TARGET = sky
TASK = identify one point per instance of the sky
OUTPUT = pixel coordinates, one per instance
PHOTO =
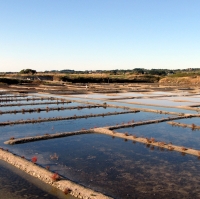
(99, 34)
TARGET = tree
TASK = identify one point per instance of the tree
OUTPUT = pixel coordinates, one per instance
(28, 71)
(158, 72)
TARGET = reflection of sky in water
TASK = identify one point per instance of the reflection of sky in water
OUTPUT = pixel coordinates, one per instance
(167, 133)
(14, 184)
(118, 168)
(128, 94)
(112, 166)
(28, 102)
(72, 125)
(10, 108)
(193, 120)
(17, 98)
(164, 93)
(123, 103)
(60, 113)
(193, 99)
(111, 95)
(179, 110)
(158, 101)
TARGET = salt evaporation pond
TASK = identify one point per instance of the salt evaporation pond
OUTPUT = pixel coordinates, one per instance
(106, 96)
(60, 113)
(159, 108)
(146, 106)
(36, 106)
(14, 98)
(118, 168)
(113, 166)
(20, 103)
(193, 99)
(161, 102)
(15, 184)
(23, 130)
(167, 133)
(193, 120)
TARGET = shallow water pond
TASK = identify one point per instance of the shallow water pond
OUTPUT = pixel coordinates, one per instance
(123, 103)
(14, 184)
(167, 133)
(12, 108)
(32, 102)
(13, 98)
(178, 110)
(160, 101)
(193, 120)
(60, 113)
(194, 99)
(118, 168)
(23, 130)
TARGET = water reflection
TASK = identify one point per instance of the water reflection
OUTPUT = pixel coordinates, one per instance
(120, 169)
(14, 184)
(170, 134)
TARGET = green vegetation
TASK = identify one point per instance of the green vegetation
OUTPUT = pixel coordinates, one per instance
(185, 74)
(136, 75)
(82, 78)
(28, 71)
(13, 81)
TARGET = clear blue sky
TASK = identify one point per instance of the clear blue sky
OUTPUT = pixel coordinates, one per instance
(99, 34)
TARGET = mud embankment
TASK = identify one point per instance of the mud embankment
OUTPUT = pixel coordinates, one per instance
(68, 187)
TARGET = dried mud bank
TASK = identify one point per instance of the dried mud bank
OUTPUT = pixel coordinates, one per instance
(46, 137)
(150, 121)
(195, 105)
(192, 126)
(64, 118)
(161, 111)
(149, 141)
(190, 108)
(46, 176)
